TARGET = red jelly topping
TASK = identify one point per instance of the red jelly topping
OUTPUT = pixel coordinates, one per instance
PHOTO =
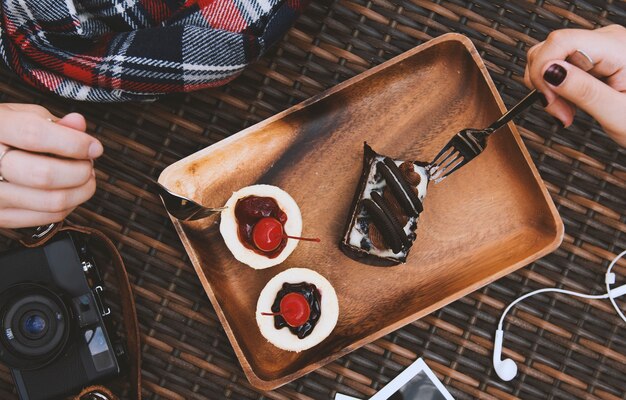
(251, 210)
(294, 308)
(267, 234)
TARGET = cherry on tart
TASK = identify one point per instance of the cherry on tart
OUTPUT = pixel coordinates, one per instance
(268, 234)
(248, 206)
(294, 308)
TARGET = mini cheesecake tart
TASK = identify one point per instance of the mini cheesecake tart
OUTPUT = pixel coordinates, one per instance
(249, 206)
(308, 308)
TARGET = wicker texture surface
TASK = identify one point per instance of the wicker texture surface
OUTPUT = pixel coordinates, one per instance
(565, 348)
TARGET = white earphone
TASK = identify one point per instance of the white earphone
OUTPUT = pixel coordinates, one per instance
(507, 369)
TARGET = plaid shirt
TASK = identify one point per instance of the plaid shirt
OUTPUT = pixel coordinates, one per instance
(117, 50)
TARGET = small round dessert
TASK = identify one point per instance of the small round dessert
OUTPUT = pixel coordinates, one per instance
(292, 283)
(249, 245)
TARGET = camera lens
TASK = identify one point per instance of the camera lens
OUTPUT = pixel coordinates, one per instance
(34, 326)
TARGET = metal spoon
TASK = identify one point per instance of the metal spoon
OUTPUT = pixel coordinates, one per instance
(183, 208)
(180, 207)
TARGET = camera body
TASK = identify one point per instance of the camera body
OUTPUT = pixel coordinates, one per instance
(56, 332)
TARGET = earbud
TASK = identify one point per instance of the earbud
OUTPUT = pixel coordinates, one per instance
(506, 369)
(609, 278)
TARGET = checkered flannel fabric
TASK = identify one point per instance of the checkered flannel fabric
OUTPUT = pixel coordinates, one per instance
(118, 50)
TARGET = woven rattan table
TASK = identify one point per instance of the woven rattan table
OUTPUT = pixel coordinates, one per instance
(566, 348)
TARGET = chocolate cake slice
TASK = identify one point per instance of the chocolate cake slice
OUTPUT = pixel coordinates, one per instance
(385, 210)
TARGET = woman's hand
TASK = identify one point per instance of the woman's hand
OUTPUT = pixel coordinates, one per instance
(601, 91)
(48, 169)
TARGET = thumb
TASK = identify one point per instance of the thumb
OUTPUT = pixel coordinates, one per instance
(74, 121)
(602, 102)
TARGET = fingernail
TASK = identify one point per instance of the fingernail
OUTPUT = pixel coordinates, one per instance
(93, 173)
(559, 122)
(95, 150)
(543, 100)
(555, 74)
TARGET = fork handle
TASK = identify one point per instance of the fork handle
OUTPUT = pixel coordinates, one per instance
(513, 112)
(579, 58)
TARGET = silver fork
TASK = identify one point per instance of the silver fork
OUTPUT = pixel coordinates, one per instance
(469, 143)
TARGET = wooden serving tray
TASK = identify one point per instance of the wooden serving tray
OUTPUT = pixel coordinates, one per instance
(483, 222)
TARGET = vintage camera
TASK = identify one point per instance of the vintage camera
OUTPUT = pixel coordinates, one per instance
(56, 331)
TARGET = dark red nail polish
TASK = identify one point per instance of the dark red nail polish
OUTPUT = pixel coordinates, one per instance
(555, 74)
(543, 100)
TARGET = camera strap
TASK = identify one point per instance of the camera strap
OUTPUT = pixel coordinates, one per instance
(128, 305)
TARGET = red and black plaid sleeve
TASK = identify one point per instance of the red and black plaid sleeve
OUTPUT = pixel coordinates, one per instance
(117, 50)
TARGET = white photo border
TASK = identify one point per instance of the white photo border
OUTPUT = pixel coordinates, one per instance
(415, 368)
(340, 396)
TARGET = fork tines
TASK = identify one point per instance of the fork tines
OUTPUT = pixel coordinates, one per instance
(460, 150)
(447, 161)
(447, 158)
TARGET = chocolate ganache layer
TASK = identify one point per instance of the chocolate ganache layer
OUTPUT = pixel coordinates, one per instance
(313, 298)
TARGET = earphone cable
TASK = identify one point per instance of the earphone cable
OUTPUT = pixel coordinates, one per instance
(608, 284)
(586, 296)
(606, 295)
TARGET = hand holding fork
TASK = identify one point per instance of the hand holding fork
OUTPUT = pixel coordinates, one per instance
(469, 143)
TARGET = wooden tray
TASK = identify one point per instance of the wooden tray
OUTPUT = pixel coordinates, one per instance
(485, 221)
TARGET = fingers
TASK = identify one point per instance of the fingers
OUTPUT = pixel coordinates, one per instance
(32, 132)
(617, 81)
(71, 120)
(562, 110)
(49, 171)
(604, 46)
(18, 218)
(529, 56)
(44, 172)
(46, 201)
(602, 102)
(31, 108)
